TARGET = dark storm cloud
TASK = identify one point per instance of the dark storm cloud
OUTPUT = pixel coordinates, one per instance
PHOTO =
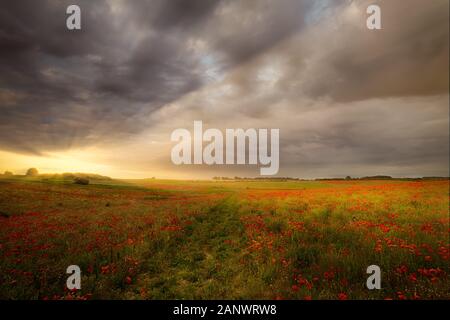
(243, 29)
(68, 82)
(166, 15)
(130, 58)
(396, 133)
(409, 56)
(311, 68)
(46, 68)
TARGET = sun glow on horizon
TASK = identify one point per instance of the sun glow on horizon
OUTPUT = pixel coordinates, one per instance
(51, 162)
(86, 160)
(81, 160)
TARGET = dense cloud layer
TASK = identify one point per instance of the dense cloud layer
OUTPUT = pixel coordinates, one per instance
(345, 98)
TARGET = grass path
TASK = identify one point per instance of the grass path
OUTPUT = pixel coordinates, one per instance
(204, 262)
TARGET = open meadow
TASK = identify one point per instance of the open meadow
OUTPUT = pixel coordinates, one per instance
(163, 239)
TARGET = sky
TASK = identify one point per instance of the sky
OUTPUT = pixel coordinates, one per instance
(105, 99)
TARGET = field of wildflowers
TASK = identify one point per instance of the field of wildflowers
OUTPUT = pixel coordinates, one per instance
(157, 239)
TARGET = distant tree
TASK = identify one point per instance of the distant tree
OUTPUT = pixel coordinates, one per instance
(8, 173)
(348, 178)
(32, 172)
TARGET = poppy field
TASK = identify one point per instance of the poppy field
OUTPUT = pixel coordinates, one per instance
(167, 239)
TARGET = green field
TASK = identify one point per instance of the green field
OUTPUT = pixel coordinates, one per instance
(167, 239)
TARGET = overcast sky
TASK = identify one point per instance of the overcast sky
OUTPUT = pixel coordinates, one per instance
(347, 100)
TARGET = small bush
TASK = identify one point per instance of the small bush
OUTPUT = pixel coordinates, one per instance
(82, 181)
(32, 172)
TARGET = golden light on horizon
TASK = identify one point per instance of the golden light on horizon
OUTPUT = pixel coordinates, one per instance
(53, 162)
(88, 160)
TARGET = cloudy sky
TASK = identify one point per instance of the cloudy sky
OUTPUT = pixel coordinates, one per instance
(105, 99)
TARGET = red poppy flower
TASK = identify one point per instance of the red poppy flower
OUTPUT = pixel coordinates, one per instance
(342, 296)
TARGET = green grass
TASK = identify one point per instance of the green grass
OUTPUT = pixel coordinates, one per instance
(167, 239)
